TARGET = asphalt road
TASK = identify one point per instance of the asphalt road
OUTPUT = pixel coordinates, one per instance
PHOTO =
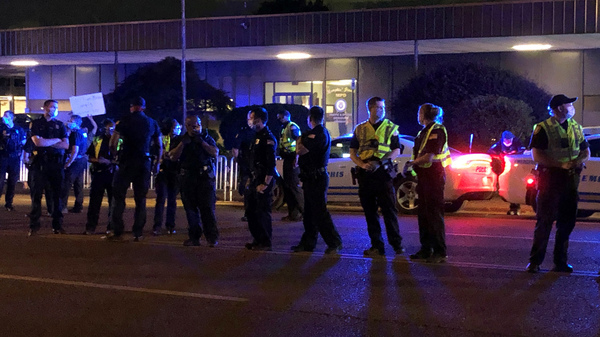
(75, 285)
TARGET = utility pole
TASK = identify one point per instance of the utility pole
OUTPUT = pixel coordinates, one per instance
(183, 71)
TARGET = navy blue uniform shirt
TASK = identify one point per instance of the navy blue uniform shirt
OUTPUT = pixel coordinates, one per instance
(136, 130)
(263, 155)
(48, 130)
(194, 157)
(318, 143)
(11, 140)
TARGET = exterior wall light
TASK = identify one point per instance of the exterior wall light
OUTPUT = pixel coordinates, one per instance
(293, 56)
(25, 63)
(531, 47)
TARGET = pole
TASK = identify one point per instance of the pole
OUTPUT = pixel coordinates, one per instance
(416, 55)
(183, 70)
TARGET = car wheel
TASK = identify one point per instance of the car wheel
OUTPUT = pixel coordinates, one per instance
(277, 195)
(453, 206)
(407, 199)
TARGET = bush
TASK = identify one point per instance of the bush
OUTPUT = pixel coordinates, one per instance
(486, 117)
(455, 87)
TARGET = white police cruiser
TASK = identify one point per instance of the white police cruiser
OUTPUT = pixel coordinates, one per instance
(518, 183)
(468, 178)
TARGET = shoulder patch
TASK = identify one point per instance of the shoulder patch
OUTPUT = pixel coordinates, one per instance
(257, 141)
(312, 136)
(271, 142)
(395, 133)
(432, 136)
(537, 129)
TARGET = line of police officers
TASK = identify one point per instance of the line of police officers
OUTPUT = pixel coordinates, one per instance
(558, 146)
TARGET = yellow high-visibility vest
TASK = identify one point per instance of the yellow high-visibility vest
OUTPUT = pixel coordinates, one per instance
(443, 157)
(557, 136)
(375, 143)
(286, 142)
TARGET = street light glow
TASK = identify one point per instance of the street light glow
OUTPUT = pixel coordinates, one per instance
(531, 47)
(293, 56)
(25, 63)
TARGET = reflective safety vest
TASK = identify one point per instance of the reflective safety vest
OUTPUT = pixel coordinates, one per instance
(557, 136)
(167, 143)
(375, 143)
(286, 142)
(97, 142)
(443, 157)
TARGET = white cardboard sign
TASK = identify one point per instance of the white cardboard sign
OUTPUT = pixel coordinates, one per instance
(85, 105)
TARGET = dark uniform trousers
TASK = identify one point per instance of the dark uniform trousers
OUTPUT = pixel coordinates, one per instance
(166, 186)
(292, 193)
(101, 182)
(136, 173)
(48, 171)
(317, 218)
(10, 165)
(375, 190)
(198, 195)
(556, 201)
(258, 212)
(74, 177)
(432, 232)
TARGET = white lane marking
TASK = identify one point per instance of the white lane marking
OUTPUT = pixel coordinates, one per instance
(123, 288)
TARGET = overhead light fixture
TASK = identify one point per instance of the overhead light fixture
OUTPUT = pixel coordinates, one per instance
(293, 56)
(25, 63)
(531, 47)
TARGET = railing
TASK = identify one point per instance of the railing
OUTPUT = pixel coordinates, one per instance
(226, 177)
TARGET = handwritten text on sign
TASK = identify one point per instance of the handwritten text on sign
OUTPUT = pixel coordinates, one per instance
(84, 105)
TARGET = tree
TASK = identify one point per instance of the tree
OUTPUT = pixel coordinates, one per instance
(160, 84)
(486, 117)
(291, 6)
(453, 86)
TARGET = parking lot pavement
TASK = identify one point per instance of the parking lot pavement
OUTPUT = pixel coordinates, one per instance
(67, 285)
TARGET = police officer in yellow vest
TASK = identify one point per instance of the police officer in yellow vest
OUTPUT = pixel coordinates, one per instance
(373, 146)
(292, 192)
(430, 157)
(102, 170)
(559, 148)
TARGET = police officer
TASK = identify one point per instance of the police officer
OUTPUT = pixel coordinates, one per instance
(559, 148)
(75, 164)
(373, 146)
(508, 144)
(241, 151)
(137, 132)
(49, 138)
(102, 170)
(430, 156)
(166, 184)
(198, 153)
(313, 150)
(12, 139)
(260, 187)
(292, 193)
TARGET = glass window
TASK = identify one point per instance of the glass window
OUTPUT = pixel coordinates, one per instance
(340, 98)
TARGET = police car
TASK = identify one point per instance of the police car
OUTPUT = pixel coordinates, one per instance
(468, 178)
(518, 183)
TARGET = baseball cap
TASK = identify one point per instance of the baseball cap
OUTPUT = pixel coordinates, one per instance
(507, 135)
(138, 101)
(559, 100)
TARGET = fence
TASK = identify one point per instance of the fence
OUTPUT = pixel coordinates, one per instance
(226, 177)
